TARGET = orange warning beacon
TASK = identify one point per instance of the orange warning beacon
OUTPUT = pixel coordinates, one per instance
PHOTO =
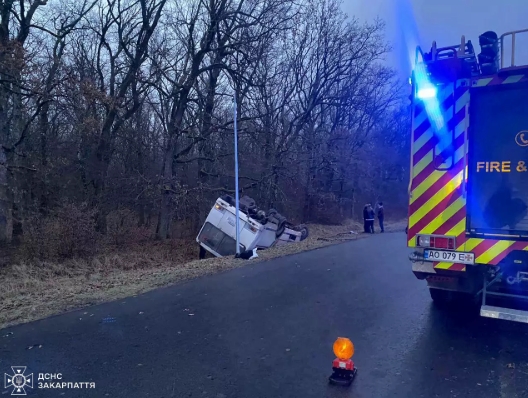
(343, 366)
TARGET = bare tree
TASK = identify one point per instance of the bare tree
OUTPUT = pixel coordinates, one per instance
(214, 30)
(123, 110)
(23, 99)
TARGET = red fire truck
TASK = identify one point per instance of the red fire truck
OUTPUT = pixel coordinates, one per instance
(468, 192)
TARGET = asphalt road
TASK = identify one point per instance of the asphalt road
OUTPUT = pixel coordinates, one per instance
(266, 330)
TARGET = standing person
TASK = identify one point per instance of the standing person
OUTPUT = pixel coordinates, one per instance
(370, 219)
(366, 226)
(381, 216)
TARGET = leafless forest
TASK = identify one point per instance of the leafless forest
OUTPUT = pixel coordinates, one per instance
(117, 117)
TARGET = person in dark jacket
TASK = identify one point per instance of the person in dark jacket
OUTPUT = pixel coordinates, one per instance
(366, 226)
(381, 216)
(370, 219)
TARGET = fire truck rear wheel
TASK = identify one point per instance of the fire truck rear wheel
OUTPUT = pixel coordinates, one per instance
(443, 298)
(440, 296)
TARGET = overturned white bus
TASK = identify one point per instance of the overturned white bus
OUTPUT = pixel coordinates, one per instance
(258, 229)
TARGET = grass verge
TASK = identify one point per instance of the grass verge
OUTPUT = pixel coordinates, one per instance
(36, 290)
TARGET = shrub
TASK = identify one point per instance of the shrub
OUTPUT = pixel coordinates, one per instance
(69, 232)
(121, 228)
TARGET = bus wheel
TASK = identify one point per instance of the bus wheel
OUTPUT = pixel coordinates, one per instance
(304, 232)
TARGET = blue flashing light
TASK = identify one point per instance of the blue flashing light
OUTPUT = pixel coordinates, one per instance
(427, 93)
(430, 94)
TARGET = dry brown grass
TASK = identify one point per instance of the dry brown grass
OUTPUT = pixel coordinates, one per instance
(35, 290)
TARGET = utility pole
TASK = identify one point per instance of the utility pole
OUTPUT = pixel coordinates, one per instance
(236, 177)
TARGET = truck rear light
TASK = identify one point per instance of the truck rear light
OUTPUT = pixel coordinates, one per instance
(436, 242)
(440, 243)
(219, 207)
(423, 241)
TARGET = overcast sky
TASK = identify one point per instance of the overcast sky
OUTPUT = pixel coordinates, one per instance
(422, 21)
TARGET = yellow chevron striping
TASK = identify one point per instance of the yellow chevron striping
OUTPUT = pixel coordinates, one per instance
(494, 251)
(459, 228)
(512, 79)
(426, 184)
(433, 177)
(435, 199)
(446, 266)
(439, 220)
(455, 231)
(482, 82)
(423, 163)
(472, 243)
(429, 133)
(422, 140)
(425, 137)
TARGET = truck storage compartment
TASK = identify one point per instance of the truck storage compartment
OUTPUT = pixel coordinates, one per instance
(498, 161)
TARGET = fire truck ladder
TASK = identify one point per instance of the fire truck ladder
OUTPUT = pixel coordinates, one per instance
(503, 62)
(463, 51)
(460, 57)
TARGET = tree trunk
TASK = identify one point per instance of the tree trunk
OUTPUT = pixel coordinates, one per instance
(167, 189)
(310, 174)
(6, 199)
(164, 217)
(102, 158)
(43, 124)
(6, 205)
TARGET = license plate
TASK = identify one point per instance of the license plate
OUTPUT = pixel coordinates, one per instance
(449, 257)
